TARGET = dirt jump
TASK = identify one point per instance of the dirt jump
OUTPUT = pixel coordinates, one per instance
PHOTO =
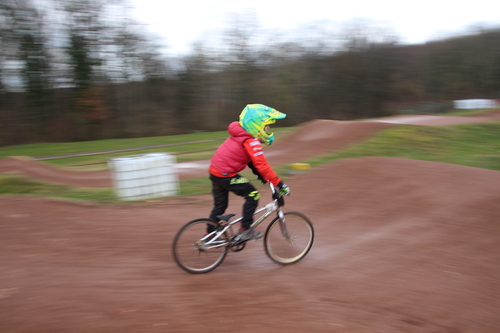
(401, 246)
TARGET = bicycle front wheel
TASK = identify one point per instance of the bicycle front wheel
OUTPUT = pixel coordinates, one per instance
(195, 254)
(288, 241)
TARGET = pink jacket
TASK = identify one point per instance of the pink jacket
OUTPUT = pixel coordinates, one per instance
(237, 152)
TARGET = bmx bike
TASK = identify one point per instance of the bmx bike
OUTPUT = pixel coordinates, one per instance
(287, 239)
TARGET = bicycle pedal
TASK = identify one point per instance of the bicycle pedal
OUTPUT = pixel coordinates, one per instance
(237, 241)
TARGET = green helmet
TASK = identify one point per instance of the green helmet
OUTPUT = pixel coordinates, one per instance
(254, 119)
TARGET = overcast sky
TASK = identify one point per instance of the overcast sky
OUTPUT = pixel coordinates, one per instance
(181, 22)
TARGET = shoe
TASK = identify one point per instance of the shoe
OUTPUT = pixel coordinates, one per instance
(249, 234)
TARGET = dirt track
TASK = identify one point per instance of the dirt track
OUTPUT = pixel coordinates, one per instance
(402, 246)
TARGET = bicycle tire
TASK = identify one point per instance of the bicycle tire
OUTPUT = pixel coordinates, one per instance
(288, 249)
(189, 252)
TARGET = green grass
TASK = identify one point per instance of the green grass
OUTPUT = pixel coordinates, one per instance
(467, 112)
(46, 149)
(183, 152)
(15, 185)
(43, 149)
(476, 145)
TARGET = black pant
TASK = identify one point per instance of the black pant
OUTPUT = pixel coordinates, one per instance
(221, 186)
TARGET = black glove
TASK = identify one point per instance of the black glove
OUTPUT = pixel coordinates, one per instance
(283, 189)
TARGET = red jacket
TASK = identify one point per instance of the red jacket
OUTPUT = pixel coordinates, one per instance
(238, 151)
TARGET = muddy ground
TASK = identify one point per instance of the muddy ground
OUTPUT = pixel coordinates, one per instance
(401, 246)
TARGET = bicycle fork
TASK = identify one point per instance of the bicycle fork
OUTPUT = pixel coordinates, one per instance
(282, 223)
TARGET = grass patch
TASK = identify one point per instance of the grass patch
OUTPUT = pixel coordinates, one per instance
(183, 152)
(47, 149)
(468, 112)
(476, 145)
(16, 185)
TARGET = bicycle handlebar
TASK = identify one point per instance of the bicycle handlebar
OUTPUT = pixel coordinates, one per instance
(277, 196)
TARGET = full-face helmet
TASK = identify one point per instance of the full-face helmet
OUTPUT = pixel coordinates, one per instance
(256, 118)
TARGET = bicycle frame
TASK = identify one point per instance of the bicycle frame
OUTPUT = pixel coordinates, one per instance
(270, 208)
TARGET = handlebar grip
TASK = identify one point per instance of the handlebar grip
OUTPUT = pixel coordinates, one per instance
(280, 198)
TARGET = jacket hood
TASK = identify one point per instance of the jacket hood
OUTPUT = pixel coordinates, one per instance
(235, 130)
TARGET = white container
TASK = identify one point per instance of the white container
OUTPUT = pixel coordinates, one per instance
(476, 104)
(145, 176)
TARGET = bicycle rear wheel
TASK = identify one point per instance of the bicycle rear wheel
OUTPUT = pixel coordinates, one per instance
(191, 251)
(289, 242)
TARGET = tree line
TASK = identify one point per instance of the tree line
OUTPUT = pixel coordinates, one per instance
(83, 70)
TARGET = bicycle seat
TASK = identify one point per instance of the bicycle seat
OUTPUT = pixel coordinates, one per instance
(225, 217)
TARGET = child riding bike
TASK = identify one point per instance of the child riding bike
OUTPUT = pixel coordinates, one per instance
(243, 148)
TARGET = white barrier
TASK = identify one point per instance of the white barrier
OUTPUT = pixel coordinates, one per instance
(475, 104)
(145, 176)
